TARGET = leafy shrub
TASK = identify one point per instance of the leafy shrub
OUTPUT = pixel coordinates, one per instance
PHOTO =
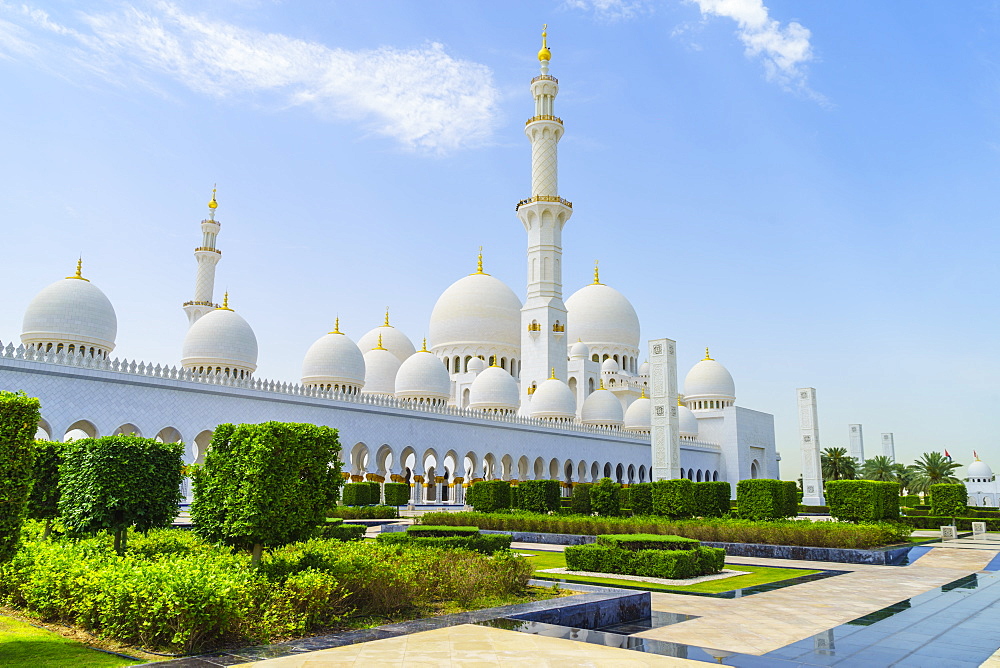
(427, 530)
(647, 541)
(605, 498)
(792, 498)
(711, 499)
(948, 499)
(159, 542)
(357, 494)
(343, 531)
(117, 482)
(672, 564)
(641, 498)
(43, 503)
(18, 422)
(364, 512)
(764, 499)
(396, 493)
(863, 500)
(580, 502)
(266, 484)
(538, 496)
(673, 498)
(625, 497)
(909, 500)
(482, 543)
(488, 496)
(374, 492)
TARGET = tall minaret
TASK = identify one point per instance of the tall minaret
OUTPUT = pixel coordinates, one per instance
(543, 317)
(207, 256)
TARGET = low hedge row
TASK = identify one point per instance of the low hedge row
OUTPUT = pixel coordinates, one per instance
(429, 531)
(936, 522)
(365, 512)
(647, 541)
(340, 531)
(483, 543)
(670, 564)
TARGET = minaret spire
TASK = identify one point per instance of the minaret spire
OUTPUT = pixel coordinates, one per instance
(543, 214)
(207, 256)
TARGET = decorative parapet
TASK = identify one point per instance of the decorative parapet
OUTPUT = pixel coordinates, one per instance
(544, 117)
(544, 198)
(206, 248)
(135, 368)
(545, 77)
(201, 304)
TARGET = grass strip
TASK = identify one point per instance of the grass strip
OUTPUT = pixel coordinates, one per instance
(24, 645)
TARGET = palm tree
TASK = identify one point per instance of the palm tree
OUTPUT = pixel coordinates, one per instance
(837, 465)
(880, 468)
(932, 468)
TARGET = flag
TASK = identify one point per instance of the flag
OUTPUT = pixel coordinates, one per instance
(947, 455)
(975, 456)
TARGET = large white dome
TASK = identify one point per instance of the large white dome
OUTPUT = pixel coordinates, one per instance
(553, 400)
(708, 378)
(334, 360)
(393, 340)
(602, 408)
(381, 367)
(71, 311)
(688, 422)
(477, 311)
(220, 339)
(638, 417)
(979, 470)
(600, 315)
(494, 389)
(423, 376)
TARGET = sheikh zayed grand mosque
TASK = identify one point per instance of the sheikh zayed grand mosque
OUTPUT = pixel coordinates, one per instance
(502, 388)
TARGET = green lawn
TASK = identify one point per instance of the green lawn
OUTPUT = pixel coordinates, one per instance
(755, 575)
(23, 645)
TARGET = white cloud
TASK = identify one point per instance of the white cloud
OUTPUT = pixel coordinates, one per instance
(611, 10)
(421, 97)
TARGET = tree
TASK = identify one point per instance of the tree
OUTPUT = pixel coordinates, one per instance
(837, 465)
(19, 415)
(43, 504)
(880, 468)
(115, 483)
(932, 468)
(266, 484)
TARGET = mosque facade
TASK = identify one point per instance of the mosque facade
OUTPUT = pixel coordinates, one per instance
(544, 388)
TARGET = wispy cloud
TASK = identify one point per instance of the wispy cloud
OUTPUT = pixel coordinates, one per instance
(421, 97)
(611, 10)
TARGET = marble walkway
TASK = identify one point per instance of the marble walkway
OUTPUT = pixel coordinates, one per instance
(751, 625)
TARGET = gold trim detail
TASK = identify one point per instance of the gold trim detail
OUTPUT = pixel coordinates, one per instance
(544, 198)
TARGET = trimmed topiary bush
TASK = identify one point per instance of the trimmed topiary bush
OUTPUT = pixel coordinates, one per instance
(19, 415)
(792, 498)
(673, 498)
(711, 499)
(433, 531)
(580, 502)
(117, 482)
(641, 498)
(43, 503)
(647, 541)
(863, 500)
(949, 499)
(605, 498)
(489, 496)
(396, 493)
(764, 499)
(364, 512)
(538, 496)
(645, 555)
(625, 497)
(909, 501)
(357, 494)
(452, 537)
(266, 484)
(341, 531)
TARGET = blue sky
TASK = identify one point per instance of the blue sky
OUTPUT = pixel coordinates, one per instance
(809, 188)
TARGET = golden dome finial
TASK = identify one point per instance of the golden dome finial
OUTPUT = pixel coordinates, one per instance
(707, 356)
(386, 323)
(336, 326)
(597, 272)
(679, 402)
(479, 264)
(553, 376)
(213, 204)
(225, 302)
(424, 348)
(601, 386)
(544, 53)
(79, 270)
(379, 346)
(642, 395)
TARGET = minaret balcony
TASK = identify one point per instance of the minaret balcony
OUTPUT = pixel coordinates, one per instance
(193, 303)
(545, 77)
(544, 198)
(544, 117)
(206, 248)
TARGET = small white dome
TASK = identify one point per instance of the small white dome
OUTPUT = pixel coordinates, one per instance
(978, 469)
(494, 389)
(603, 408)
(553, 400)
(335, 360)
(380, 372)
(220, 339)
(639, 417)
(644, 369)
(393, 340)
(477, 310)
(688, 422)
(579, 350)
(610, 366)
(71, 311)
(599, 314)
(708, 378)
(476, 365)
(423, 376)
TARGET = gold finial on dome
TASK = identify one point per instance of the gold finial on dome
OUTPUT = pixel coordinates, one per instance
(642, 395)
(336, 326)
(553, 376)
(597, 273)
(213, 204)
(544, 53)
(707, 356)
(225, 302)
(424, 348)
(79, 270)
(386, 323)
(479, 263)
(679, 402)
(601, 387)
(379, 346)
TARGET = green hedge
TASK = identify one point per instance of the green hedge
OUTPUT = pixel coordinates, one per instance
(671, 564)
(538, 496)
(909, 500)
(605, 498)
(673, 498)
(489, 496)
(580, 502)
(365, 512)
(357, 494)
(766, 499)
(396, 493)
(19, 416)
(647, 541)
(43, 504)
(936, 522)
(948, 499)
(863, 500)
(343, 531)
(624, 498)
(482, 543)
(426, 531)
(641, 498)
(711, 499)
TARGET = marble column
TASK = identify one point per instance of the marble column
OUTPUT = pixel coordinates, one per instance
(812, 472)
(665, 437)
(857, 442)
(889, 447)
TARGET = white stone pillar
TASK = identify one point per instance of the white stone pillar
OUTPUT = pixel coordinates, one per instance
(857, 441)
(889, 447)
(665, 437)
(812, 472)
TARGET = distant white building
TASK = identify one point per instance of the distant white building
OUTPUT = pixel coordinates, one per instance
(981, 484)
